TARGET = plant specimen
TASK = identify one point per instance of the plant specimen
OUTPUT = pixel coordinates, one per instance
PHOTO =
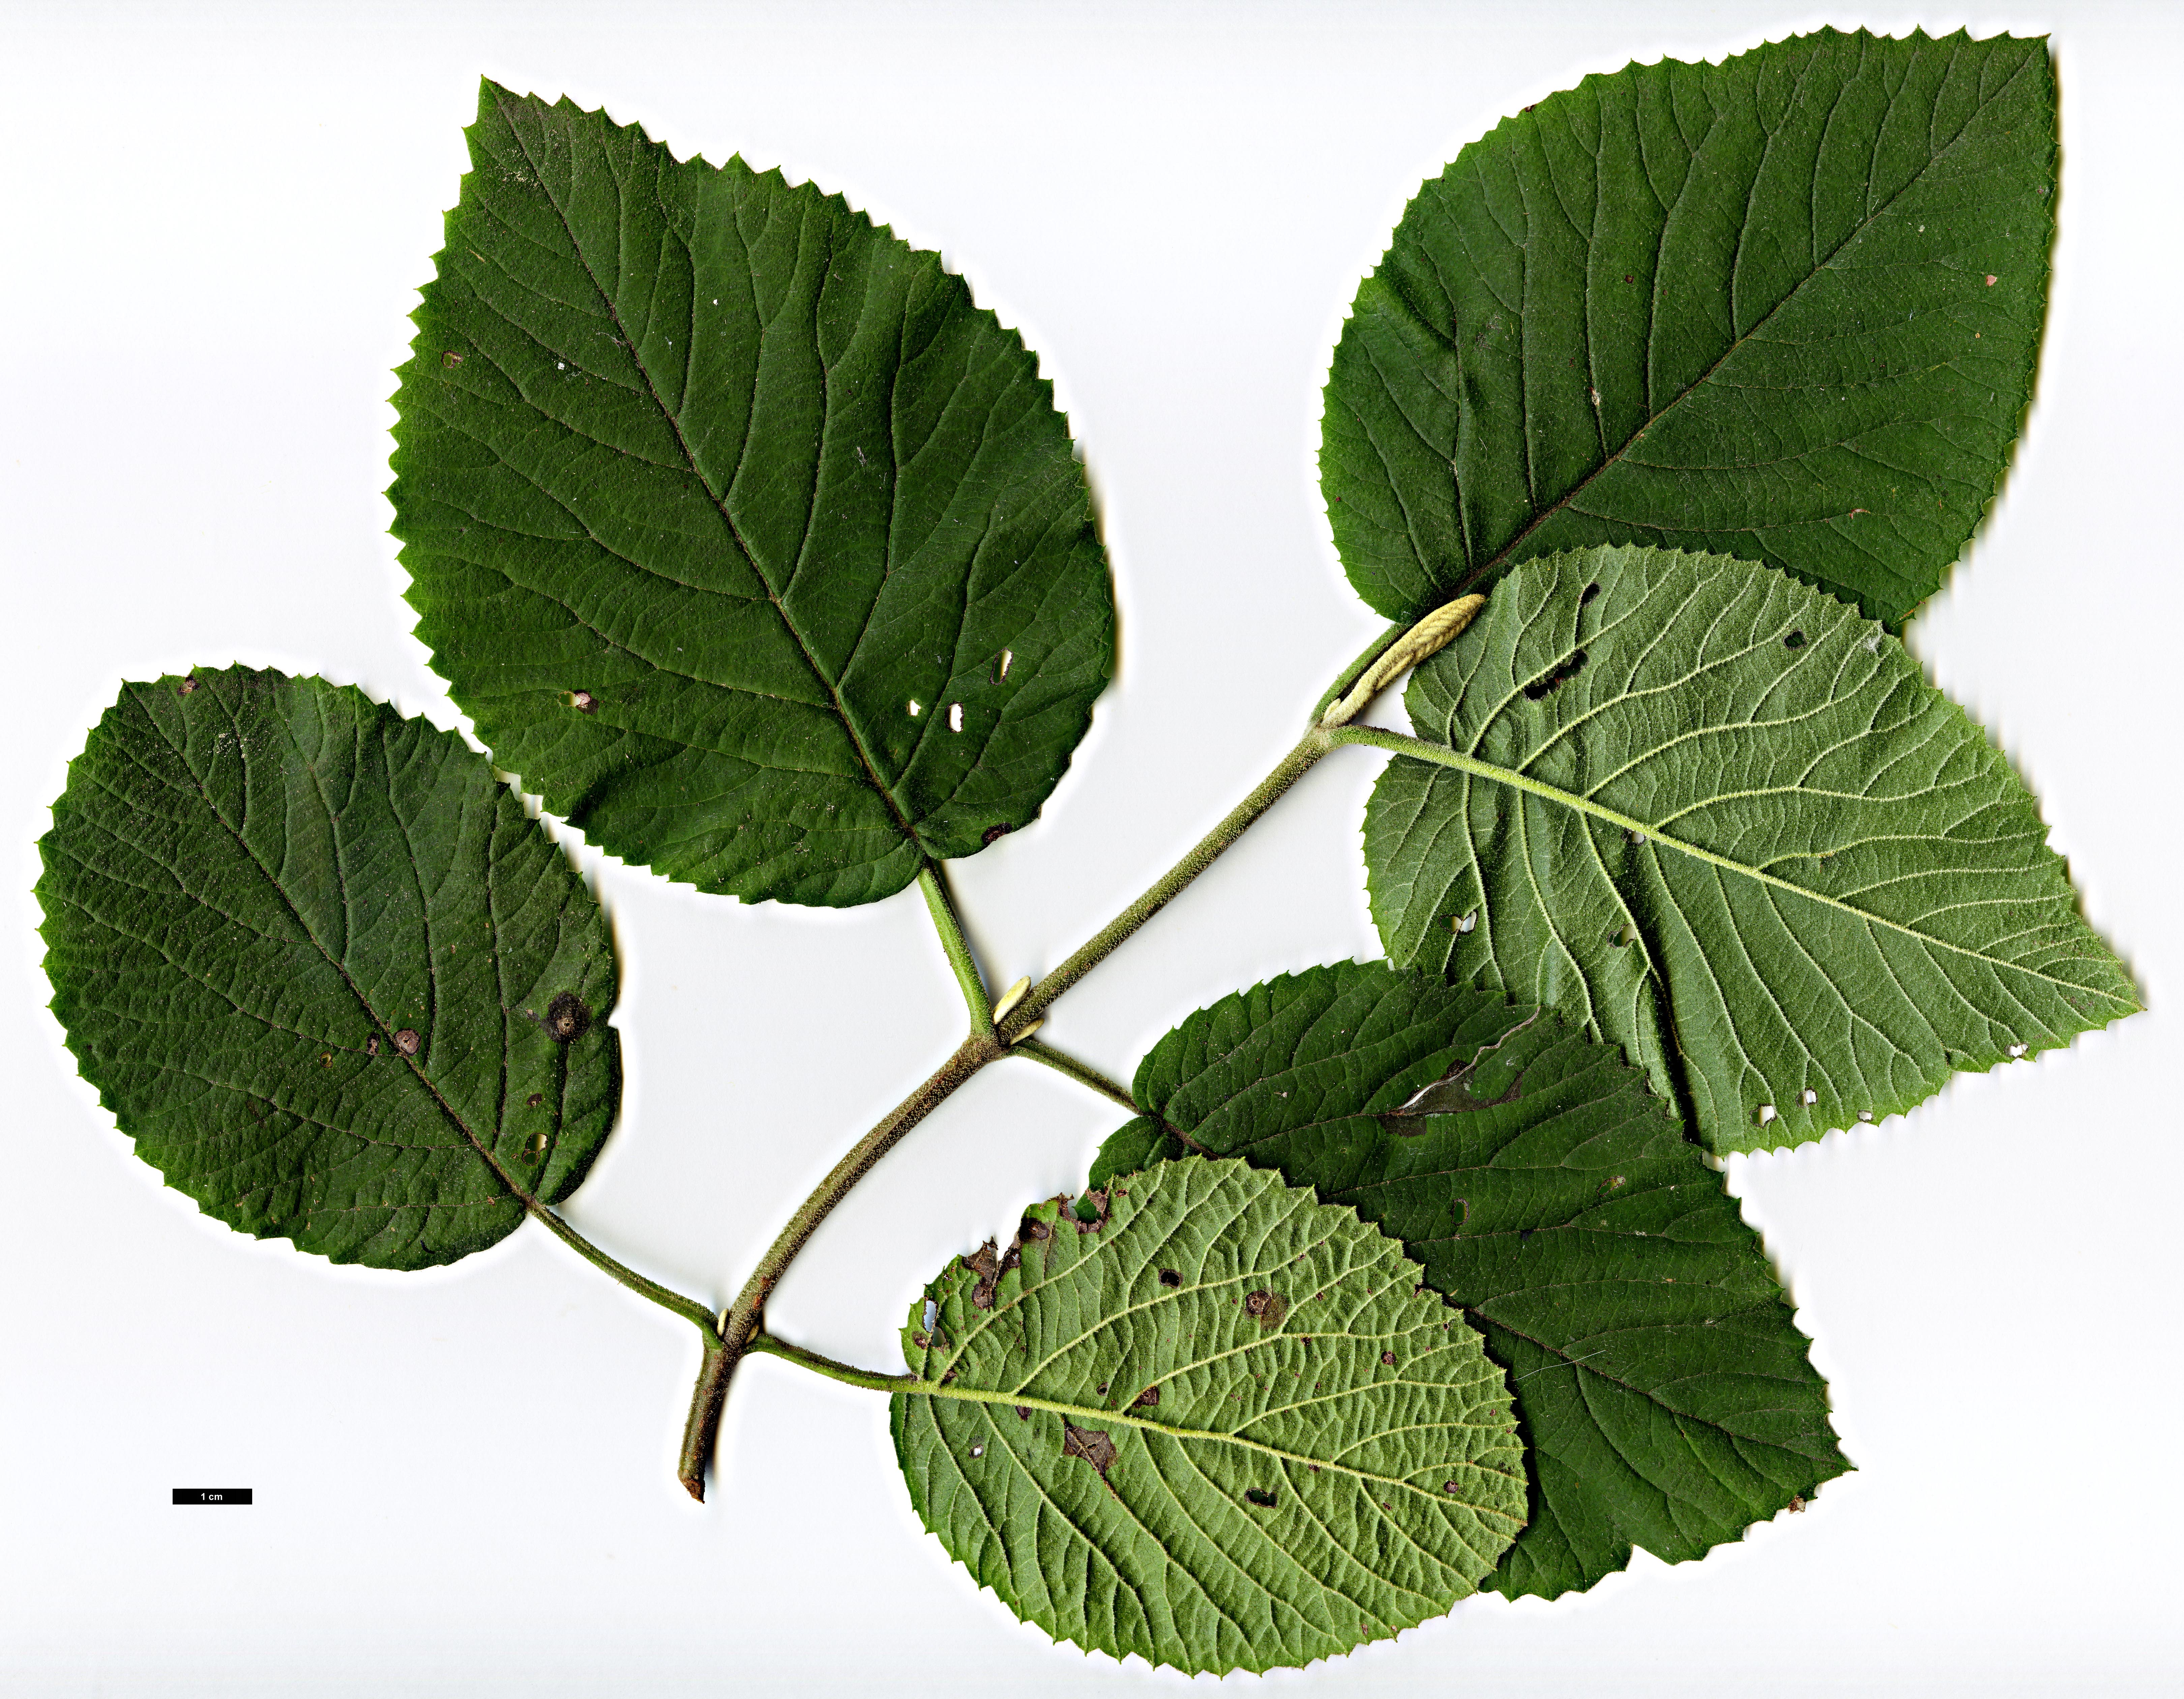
(756, 550)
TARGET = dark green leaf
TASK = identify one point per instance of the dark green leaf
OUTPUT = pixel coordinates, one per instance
(1222, 1429)
(324, 971)
(1784, 307)
(1661, 1383)
(742, 534)
(1724, 822)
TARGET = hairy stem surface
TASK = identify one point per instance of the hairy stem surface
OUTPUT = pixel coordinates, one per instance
(740, 1323)
(688, 1308)
(938, 904)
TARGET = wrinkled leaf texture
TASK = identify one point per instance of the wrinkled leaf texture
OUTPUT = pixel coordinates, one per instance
(1662, 1388)
(1784, 308)
(1723, 822)
(1227, 1427)
(753, 545)
(323, 969)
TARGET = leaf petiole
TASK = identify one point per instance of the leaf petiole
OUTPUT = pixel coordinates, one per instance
(1081, 1073)
(689, 1309)
(933, 884)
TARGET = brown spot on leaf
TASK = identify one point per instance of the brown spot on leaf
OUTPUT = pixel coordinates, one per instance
(408, 1042)
(583, 702)
(984, 1262)
(1023, 1412)
(923, 1341)
(534, 1099)
(1091, 1444)
(1261, 1496)
(1098, 1200)
(1254, 1303)
(1798, 1502)
(1388, 1358)
(1034, 1227)
(993, 832)
(187, 687)
(1146, 1399)
(1170, 1278)
(451, 358)
(371, 1045)
(567, 1018)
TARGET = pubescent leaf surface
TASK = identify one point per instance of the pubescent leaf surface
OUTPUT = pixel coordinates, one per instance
(1224, 1427)
(323, 969)
(1723, 822)
(1784, 308)
(1662, 1388)
(753, 545)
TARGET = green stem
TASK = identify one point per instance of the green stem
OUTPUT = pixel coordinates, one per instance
(688, 1308)
(1293, 766)
(1078, 1071)
(741, 1321)
(933, 884)
(740, 1328)
(766, 1345)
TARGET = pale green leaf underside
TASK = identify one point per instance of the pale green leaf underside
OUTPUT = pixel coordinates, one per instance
(1723, 822)
(752, 544)
(323, 969)
(1294, 1356)
(1662, 1387)
(1784, 308)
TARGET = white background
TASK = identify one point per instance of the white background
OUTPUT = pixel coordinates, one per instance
(215, 217)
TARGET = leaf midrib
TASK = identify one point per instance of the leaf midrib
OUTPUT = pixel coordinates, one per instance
(530, 1203)
(1093, 1416)
(1472, 579)
(1435, 754)
(719, 503)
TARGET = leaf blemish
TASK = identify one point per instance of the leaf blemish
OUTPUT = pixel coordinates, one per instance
(567, 1018)
(1168, 1276)
(1091, 1444)
(1556, 678)
(1261, 1496)
(408, 1042)
(583, 702)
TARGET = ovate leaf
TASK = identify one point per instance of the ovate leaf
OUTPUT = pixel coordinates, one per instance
(324, 971)
(1784, 308)
(1224, 1427)
(742, 535)
(1662, 1386)
(1723, 822)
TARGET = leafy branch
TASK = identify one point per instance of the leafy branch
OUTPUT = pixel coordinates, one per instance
(760, 553)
